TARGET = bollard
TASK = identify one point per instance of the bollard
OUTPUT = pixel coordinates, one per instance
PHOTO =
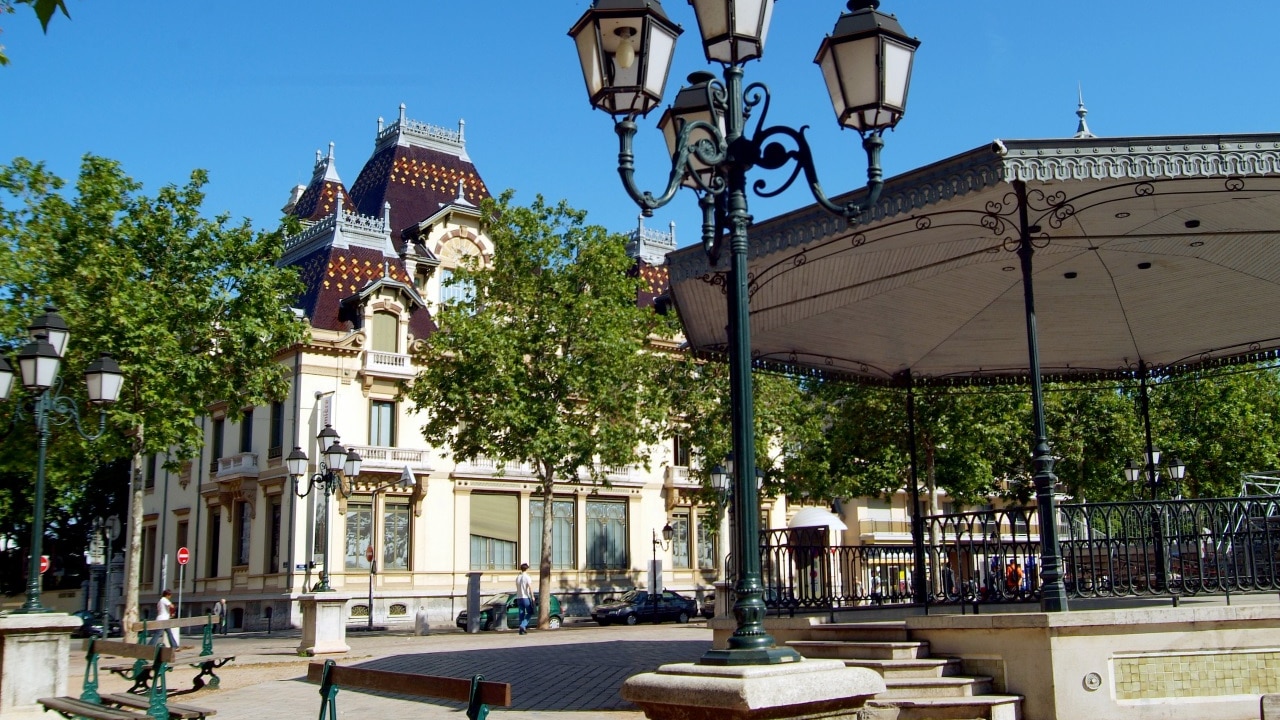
(421, 625)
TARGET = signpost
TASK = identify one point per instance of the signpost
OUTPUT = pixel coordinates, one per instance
(373, 570)
(184, 556)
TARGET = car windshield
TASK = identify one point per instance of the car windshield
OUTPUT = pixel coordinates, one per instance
(499, 599)
(634, 595)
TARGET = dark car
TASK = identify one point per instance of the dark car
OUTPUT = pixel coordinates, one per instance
(505, 603)
(639, 606)
(91, 626)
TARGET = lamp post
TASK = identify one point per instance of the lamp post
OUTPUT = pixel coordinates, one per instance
(654, 574)
(625, 48)
(39, 362)
(337, 463)
(1150, 472)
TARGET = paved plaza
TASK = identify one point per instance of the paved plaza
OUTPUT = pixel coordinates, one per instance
(574, 672)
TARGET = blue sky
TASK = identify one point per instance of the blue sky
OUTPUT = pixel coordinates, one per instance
(249, 91)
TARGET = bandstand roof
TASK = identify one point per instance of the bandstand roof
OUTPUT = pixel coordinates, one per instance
(1156, 250)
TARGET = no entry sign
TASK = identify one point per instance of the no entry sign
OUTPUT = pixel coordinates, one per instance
(183, 556)
(44, 563)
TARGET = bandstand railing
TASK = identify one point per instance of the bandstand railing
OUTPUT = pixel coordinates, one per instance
(1171, 548)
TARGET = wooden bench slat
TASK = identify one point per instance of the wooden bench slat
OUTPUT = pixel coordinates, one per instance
(433, 686)
(142, 703)
(126, 649)
(170, 623)
(75, 706)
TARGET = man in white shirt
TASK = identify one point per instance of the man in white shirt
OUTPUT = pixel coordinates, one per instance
(164, 611)
(524, 597)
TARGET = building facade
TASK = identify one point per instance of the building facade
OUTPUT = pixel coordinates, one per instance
(375, 258)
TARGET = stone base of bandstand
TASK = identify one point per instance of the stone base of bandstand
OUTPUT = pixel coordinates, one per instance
(34, 653)
(806, 690)
(324, 623)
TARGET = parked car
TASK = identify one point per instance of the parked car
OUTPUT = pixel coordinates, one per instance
(496, 606)
(91, 626)
(638, 605)
(709, 605)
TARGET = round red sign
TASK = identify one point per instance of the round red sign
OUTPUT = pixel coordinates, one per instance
(368, 553)
(44, 563)
(183, 556)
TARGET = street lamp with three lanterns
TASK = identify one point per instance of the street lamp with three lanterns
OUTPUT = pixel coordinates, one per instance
(625, 48)
(338, 463)
(39, 363)
(665, 543)
(1151, 471)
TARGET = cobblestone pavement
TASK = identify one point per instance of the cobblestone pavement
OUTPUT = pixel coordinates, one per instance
(574, 672)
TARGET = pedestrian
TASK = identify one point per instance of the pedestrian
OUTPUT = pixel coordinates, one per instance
(164, 611)
(877, 595)
(220, 616)
(524, 597)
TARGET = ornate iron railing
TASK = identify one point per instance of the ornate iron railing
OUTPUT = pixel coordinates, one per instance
(1131, 549)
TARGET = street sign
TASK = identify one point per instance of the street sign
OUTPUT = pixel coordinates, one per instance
(44, 563)
(183, 556)
(113, 528)
(368, 553)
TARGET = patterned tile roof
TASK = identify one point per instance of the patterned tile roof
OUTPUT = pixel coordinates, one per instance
(333, 274)
(417, 181)
(656, 281)
(318, 201)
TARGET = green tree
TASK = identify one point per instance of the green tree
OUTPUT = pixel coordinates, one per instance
(548, 359)
(194, 309)
(44, 10)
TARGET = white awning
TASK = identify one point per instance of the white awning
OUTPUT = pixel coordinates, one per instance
(817, 517)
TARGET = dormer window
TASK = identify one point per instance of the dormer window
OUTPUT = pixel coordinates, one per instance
(386, 332)
(453, 291)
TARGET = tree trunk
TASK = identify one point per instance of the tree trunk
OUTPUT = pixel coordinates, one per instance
(133, 555)
(544, 566)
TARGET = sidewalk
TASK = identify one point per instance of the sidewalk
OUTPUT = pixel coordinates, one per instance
(574, 672)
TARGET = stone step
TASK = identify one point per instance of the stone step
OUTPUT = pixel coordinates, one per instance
(841, 650)
(915, 667)
(984, 707)
(888, 631)
(948, 687)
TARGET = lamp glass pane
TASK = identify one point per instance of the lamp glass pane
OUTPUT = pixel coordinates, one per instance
(1155, 457)
(297, 462)
(713, 18)
(859, 78)
(747, 19)
(897, 73)
(104, 387)
(6, 382)
(334, 456)
(589, 56)
(38, 372)
(661, 48)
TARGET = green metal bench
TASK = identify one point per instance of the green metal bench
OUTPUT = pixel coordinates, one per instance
(92, 704)
(478, 693)
(206, 662)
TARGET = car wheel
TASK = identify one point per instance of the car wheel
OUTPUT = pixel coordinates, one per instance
(632, 619)
(683, 617)
(553, 622)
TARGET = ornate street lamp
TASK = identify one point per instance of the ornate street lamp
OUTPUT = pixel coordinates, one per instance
(39, 362)
(665, 543)
(338, 463)
(1153, 470)
(712, 150)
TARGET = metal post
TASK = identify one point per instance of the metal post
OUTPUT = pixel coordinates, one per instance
(1053, 591)
(750, 643)
(917, 522)
(1153, 480)
(32, 605)
(327, 481)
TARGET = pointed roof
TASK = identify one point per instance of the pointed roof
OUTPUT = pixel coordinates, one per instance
(419, 169)
(649, 248)
(321, 195)
(1082, 130)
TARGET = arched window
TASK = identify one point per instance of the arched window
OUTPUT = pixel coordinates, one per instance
(386, 332)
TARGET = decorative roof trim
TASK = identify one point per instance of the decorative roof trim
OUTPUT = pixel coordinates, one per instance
(411, 133)
(1004, 162)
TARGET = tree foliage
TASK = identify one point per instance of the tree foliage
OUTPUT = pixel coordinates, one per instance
(194, 310)
(547, 359)
(44, 10)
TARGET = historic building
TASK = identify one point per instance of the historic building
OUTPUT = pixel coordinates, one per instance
(373, 256)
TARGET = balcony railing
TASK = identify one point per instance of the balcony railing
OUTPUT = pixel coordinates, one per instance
(238, 465)
(388, 363)
(873, 527)
(393, 458)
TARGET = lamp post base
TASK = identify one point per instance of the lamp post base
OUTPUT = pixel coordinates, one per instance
(324, 624)
(750, 656)
(801, 690)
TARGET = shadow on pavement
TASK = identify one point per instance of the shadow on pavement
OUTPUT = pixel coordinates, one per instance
(580, 676)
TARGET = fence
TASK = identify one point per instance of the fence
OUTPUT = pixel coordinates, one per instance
(1132, 549)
